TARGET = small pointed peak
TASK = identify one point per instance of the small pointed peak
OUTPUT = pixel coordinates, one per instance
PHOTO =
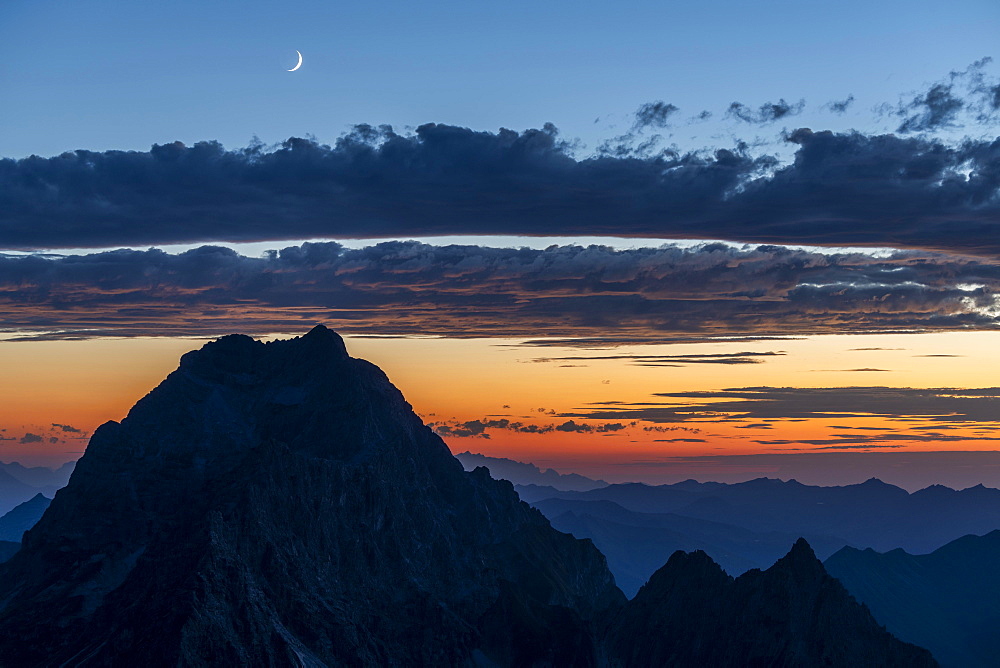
(800, 554)
(802, 547)
(39, 497)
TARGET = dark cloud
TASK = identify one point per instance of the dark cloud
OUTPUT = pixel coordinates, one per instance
(966, 96)
(479, 428)
(655, 295)
(938, 405)
(679, 440)
(67, 428)
(768, 112)
(936, 108)
(840, 189)
(31, 438)
(672, 360)
(654, 115)
(840, 106)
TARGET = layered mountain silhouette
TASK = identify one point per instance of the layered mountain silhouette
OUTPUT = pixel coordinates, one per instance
(22, 517)
(749, 525)
(947, 601)
(637, 544)
(280, 504)
(691, 613)
(19, 483)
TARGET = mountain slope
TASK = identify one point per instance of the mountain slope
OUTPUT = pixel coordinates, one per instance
(22, 517)
(947, 601)
(691, 613)
(281, 504)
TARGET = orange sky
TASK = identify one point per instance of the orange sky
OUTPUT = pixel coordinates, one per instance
(80, 384)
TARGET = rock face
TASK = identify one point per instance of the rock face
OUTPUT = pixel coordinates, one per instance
(691, 613)
(280, 504)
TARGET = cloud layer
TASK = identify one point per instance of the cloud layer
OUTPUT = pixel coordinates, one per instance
(840, 189)
(414, 288)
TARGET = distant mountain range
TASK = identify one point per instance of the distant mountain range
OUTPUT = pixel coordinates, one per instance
(19, 483)
(947, 601)
(520, 473)
(746, 525)
(280, 504)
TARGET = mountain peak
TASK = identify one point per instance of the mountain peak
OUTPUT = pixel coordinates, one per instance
(279, 504)
(324, 338)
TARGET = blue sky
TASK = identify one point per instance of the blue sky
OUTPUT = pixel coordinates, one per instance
(114, 75)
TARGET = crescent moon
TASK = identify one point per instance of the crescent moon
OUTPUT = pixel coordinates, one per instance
(299, 64)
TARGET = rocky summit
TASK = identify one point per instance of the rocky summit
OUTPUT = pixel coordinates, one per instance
(280, 504)
(691, 613)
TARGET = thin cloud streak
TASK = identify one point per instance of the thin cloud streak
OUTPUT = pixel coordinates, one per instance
(410, 288)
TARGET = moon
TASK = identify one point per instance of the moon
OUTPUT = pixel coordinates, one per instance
(299, 64)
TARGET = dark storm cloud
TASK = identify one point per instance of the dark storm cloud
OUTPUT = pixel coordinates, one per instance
(655, 295)
(944, 405)
(840, 189)
(768, 112)
(31, 438)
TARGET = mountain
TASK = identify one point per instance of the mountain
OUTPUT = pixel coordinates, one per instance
(40, 476)
(520, 473)
(637, 544)
(22, 517)
(871, 514)
(947, 601)
(14, 492)
(691, 613)
(281, 504)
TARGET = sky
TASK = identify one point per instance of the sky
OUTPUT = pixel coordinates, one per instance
(648, 241)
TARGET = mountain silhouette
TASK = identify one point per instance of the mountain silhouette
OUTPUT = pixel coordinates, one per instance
(281, 504)
(870, 514)
(22, 517)
(691, 613)
(947, 601)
